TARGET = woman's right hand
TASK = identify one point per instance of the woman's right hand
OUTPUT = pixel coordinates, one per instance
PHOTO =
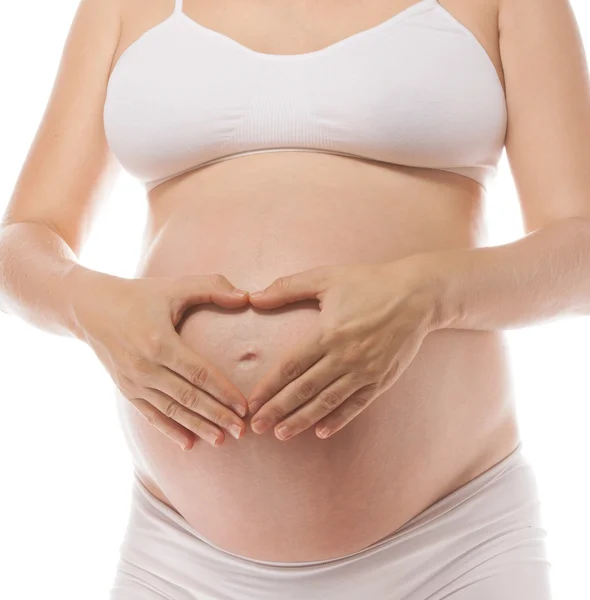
(131, 326)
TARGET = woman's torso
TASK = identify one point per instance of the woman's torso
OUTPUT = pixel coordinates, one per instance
(256, 217)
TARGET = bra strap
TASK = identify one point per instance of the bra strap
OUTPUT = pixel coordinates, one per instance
(178, 6)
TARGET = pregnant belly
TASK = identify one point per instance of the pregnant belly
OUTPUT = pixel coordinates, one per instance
(307, 498)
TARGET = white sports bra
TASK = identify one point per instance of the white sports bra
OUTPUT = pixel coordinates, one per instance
(417, 90)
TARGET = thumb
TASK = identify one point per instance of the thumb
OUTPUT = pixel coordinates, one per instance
(200, 289)
(291, 288)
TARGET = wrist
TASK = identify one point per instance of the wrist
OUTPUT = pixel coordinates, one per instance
(82, 285)
(431, 282)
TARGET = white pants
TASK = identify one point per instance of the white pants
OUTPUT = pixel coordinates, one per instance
(484, 541)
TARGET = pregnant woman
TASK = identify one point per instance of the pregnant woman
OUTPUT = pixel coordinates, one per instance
(309, 364)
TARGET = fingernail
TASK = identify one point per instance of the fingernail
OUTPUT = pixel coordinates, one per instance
(235, 430)
(256, 294)
(239, 409)
(283, 431)
(259, 426)
(238, 292)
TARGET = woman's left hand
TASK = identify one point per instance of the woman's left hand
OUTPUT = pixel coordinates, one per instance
(373, 319)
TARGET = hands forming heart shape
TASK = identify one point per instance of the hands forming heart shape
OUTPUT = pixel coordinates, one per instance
(373, 319)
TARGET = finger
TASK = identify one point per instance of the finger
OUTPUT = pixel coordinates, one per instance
(298, 392)
(347, 411)
(189, 290)
(190, 420)
(175, 431)
(198, 401)
(181, 359)
(291, 288)
(326, 402)
(288, 368)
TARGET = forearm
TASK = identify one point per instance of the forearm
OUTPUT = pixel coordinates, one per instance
(540, 277)
(40, 277)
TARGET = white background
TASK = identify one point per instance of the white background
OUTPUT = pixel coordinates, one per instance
(65, 468)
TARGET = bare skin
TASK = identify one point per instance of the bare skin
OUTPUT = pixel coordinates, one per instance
(257, 217)
(451, 414)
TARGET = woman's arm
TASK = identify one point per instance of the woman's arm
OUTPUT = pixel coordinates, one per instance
(540, 277)
(67, 173)
(40, 277)
(546, 274)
